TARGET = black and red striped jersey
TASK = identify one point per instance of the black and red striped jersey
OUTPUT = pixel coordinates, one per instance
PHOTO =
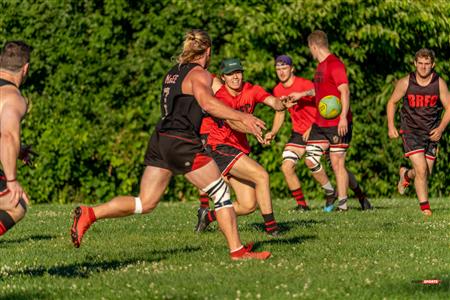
(422, 107)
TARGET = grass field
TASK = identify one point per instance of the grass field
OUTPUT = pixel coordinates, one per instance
(354, 255)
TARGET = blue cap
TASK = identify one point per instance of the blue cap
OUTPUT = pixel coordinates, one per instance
(282, 60)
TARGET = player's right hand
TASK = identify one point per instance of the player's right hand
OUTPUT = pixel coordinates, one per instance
(16, 192)
(254, 125)
(393, 133)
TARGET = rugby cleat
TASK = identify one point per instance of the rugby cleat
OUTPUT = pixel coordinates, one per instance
(83, 217)
(246, 253)
(402, 183)
(329, 202)
(202, 223)
(365, 204)
(302, 208)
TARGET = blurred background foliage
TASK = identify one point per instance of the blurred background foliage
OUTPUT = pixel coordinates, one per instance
(97, 67)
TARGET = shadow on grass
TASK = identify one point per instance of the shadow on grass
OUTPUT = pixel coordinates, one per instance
(291, 240)
(23, 295)
(87, 268)
(37, 237)
(286, 226)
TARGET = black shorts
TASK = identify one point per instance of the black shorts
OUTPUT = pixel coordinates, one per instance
(419, 143)
(296, 140)
(3, 188)
(225, 157)
(179, 152)
(330, 136)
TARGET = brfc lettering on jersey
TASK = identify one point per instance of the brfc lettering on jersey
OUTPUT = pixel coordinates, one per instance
(422, 100)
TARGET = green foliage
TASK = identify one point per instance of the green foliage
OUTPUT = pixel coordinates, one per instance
(97, 66)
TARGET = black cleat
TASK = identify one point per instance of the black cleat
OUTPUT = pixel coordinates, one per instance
(202, 216)
(302, 208)
(274, 233)
(329, 202)
(365, 204)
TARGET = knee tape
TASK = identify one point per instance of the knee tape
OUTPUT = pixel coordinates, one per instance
(313, 155)
(219, 191)
(290, 155)
(137, 205)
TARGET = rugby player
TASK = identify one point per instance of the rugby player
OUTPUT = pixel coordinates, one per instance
(14, 65)
(175, 147)
(424, 95)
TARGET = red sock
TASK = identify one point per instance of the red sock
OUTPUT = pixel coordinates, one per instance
(212, 216)
(270, 223)
(204, 201)
(2, 229)
(425, 205)
(299, 197)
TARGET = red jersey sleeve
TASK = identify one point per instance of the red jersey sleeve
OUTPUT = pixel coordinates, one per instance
(260, 94)
(338, 73)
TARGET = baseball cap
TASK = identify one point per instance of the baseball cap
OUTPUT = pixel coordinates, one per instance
(230, 65)
(283, 60)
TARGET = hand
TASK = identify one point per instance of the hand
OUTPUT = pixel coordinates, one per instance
(306, 134)
(393, 133)
(11, 199)
(288, 101)
(342, 126)
(254, 125)
(26, 154)
(268, 138)
(436, 134)
(295, 96)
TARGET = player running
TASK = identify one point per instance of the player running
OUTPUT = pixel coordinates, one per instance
(175, 147)
(229, 147)
(302, 116)
(424, 94)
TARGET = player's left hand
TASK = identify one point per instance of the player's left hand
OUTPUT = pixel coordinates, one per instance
(436, 134)
(342, 126)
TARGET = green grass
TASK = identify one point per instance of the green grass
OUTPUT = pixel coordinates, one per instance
(355, 255)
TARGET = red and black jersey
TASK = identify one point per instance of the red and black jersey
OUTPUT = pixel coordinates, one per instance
(304, 112)
(221, 133)
(179, 112)
(422, 106)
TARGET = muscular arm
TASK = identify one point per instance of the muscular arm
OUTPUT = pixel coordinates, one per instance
(298, 95)
(13, 110)
(436, 134)
(345, 99)
(397, 94)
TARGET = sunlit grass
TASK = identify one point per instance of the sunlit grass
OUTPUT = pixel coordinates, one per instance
(358, 255)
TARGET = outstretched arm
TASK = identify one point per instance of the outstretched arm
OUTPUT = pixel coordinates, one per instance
(397, 94)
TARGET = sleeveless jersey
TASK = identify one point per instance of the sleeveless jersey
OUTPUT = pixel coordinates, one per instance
(4, 82)
(179, 112)
(422, 107)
